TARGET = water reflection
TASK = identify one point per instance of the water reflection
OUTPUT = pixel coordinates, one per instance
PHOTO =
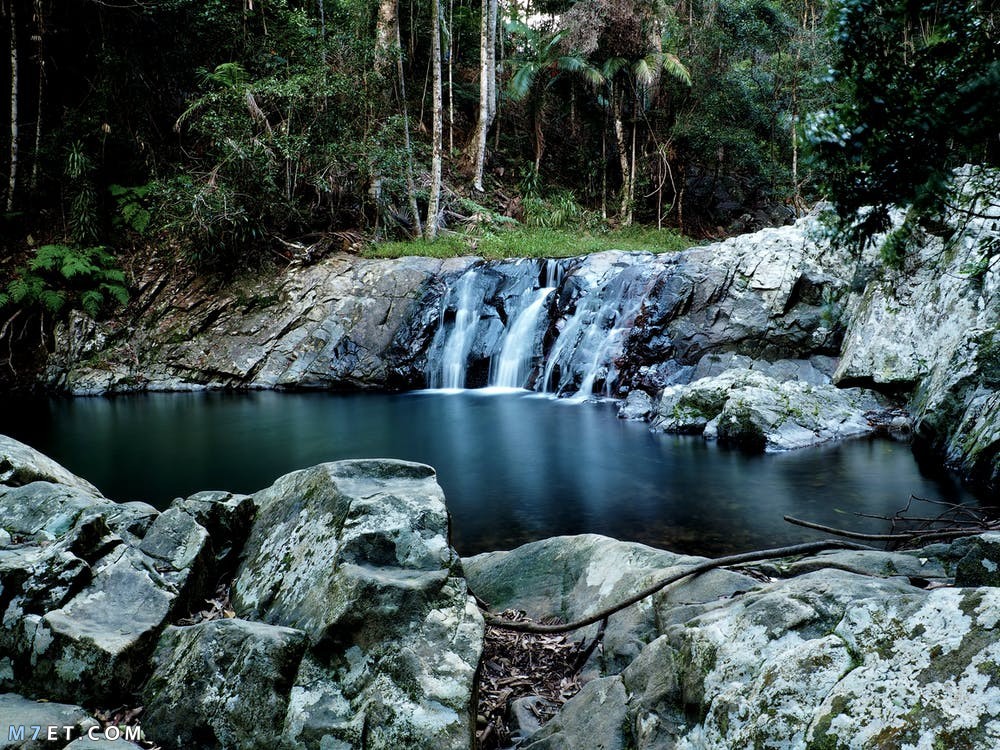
(514, 467)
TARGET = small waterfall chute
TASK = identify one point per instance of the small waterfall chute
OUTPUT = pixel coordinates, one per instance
(454, 342)
(513, 364)
(592, 338)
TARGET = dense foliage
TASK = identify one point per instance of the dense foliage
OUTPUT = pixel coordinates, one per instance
(230, 134)
(920, 84)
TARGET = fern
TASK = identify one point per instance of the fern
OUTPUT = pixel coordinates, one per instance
(91, 302)
(61, 276)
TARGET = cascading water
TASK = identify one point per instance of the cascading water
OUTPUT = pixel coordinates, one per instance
(553, 273)
(495, 314)
(619, 324)
(591, 340)
(513, 365)
(455, 342)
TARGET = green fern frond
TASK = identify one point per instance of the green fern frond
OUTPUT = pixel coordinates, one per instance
(676, 69)
(52, 300)
(91, 301)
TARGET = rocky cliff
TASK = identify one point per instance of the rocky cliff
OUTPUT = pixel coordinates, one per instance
(804, 335)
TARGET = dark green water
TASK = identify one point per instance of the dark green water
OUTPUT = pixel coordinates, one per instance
(514, 467)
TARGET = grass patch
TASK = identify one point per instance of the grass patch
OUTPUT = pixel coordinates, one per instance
(535, 242)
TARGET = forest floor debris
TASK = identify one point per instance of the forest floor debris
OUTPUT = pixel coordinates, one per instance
(518, 665)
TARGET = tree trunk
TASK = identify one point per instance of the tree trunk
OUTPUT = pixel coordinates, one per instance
(411, 190)
(12, 183)
(451, 88)
(434, 201)
(539, 110)
(40, 19)
(385, 34)
(491, 77)
(622, 157)
(631, 180)
(487, 86)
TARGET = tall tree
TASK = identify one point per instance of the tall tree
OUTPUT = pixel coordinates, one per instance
(922, 79)
(538, 65)
(434, 200)
(411, 190)
(487, 85)
(14, 129)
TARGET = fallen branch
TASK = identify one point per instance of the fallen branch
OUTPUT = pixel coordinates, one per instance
(527, 626)
(906, 536)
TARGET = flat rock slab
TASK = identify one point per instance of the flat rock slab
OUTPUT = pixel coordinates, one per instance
(36, 719)
(573, 576)
(97, 645)
(21, 464)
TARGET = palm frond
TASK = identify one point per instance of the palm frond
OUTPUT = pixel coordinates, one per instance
(522, 81)
(676, 69)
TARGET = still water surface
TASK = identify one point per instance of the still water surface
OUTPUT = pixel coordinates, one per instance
(514, 467)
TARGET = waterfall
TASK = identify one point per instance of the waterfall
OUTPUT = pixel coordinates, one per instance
(513, 366)
(620, 322)
(456, 343)
(492, 318)
(592, 338)
(553, 273)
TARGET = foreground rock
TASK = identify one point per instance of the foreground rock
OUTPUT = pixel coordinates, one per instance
(355, 629)
(569, 577)
(355, 555)
(849, 655)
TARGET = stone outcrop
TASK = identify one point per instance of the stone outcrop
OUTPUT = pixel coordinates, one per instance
(839, 650)
(355, 555)
(354, 627)
(745, 407)
(333, 324)
(933, 328)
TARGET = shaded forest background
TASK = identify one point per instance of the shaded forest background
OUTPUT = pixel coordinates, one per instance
(230, 134)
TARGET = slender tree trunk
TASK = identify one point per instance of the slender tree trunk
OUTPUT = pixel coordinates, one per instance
(491, 77)
(385, 34)
(539, 110)
(604, 170)
(497, 72)
(451, 89)
(622, 156)
(40, 18)
(434, 201)
(411, 190)
(631, 180)
(12, 183)
(487, 86)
